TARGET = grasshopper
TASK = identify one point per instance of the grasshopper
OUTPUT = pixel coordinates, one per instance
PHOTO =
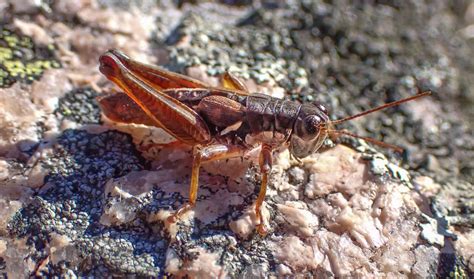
(219, 122)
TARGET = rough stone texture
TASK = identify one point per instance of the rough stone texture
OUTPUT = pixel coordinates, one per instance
(79, 199)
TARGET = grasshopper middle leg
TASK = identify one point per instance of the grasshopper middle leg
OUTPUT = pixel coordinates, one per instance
(265, 162)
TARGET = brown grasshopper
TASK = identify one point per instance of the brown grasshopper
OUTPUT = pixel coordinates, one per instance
(218, 122)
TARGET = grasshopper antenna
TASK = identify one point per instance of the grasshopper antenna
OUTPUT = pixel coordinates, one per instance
(388, 105)
(371, 140)
(397, 149)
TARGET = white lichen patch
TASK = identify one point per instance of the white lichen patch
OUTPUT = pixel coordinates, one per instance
(203, 266)
(124, 195)
(15, 254)
(3, 246)
(396, 257)
(426, 258)
(8, 208)
(246, 224)
(46, 93)
(298, 217)
(61, 248)
(296, 254)
(209, 210)
(133, 185)
(117, 214)
(361, 226)
(27, 112)
(331, 172)
(33, 30)
(430, 231)
(18, 119)
(426, 185)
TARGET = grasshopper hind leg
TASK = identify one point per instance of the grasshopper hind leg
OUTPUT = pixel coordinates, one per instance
(202, 155)
(232, 82)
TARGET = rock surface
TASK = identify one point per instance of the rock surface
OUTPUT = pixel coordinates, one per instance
(80, 197)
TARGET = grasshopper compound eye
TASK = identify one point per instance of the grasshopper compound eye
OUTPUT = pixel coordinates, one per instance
(312, 123)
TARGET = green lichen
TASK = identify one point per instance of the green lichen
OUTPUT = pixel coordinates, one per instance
(21, 59)
(458, 272)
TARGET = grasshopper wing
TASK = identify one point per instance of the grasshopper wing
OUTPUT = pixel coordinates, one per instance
(166, 112)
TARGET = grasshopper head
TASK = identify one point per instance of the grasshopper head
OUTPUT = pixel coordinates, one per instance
(309, 130)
